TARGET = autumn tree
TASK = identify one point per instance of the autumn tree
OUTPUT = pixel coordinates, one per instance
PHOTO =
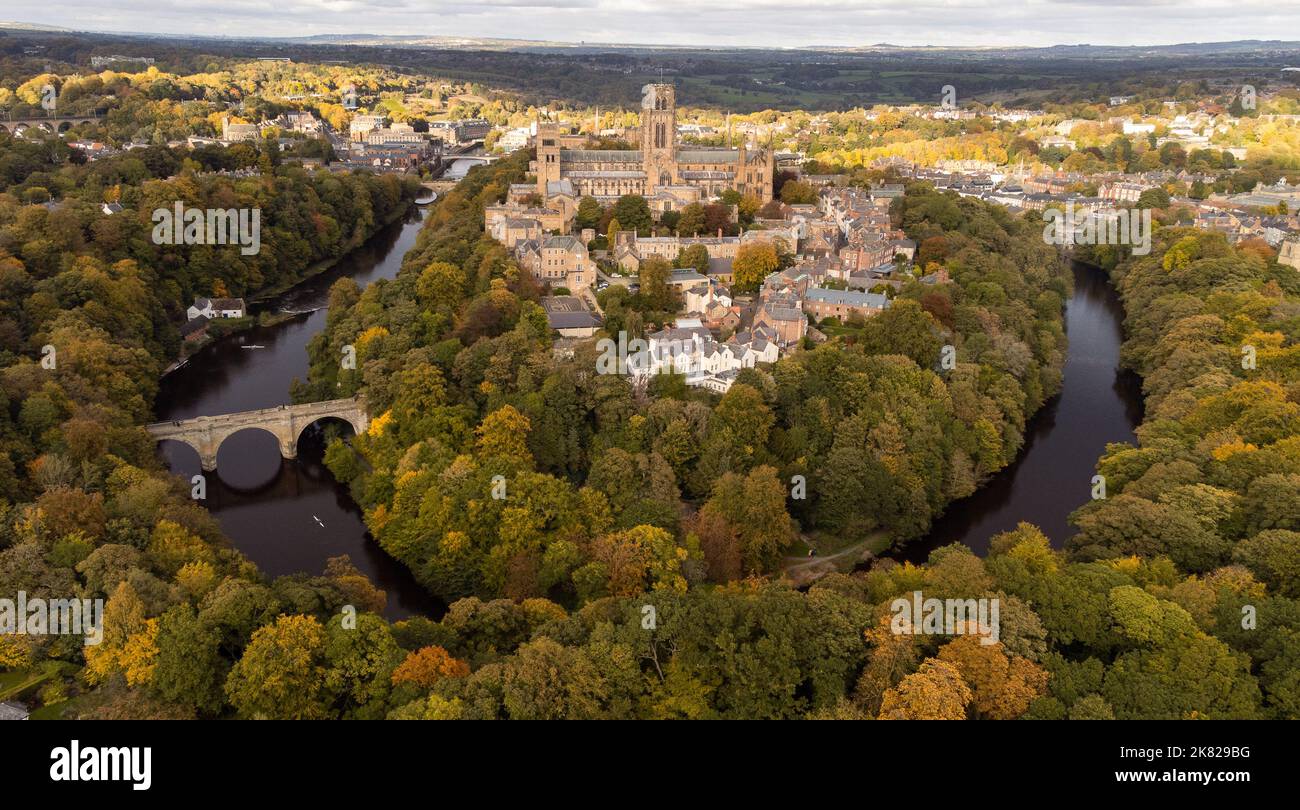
(935, 691)
(124, 619)
(753, 263)
(1002, 686)
(893, 657)
(631, 561)
(503, 435)
(427, 666)
(441, 284)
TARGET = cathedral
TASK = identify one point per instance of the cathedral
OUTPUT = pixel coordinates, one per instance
(668, 176)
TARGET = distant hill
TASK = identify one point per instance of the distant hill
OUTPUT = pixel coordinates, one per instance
(1252, 46)
(1249, 46)
(468, 43)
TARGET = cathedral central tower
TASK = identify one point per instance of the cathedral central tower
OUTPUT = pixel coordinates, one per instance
(658, 135)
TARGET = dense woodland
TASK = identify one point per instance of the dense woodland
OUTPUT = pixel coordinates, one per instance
(86, 509)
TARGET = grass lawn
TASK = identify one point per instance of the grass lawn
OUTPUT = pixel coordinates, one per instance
(14, 684)
(61, 710)
(20, 681)
(828, 544)
(797, 549)
(840, 330)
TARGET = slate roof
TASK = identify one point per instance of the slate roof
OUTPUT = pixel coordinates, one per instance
(11, 710)
(565, 242)
(522, 222)
(686, 276)
(572, 320)
(600, 155)
(784, 313)
(707, 155)
(719, 265)
(219, 303)
(849, 298)
(562, 186)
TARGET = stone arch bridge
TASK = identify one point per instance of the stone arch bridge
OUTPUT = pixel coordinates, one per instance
(50, 124)
(452, 157)
(286, 422)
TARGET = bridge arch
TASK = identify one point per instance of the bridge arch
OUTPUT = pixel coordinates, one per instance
(325, 420)
(262, 430)
(180, 442)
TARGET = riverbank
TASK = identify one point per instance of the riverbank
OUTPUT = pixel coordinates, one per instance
(1100, 402)
(189, 348)
(316, 268)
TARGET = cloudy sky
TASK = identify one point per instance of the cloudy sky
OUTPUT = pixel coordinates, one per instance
(697, 22)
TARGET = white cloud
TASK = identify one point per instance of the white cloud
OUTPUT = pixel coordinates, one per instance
(691, 22)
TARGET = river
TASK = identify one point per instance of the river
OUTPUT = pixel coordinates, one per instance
(459, 168)
(1099, 403)
(287, 516)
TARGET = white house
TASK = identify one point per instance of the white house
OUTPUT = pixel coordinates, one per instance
(705, 296)
(688, 348)
(517, 138)
(217, 308)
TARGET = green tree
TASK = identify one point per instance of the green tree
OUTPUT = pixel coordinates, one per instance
(633, 212)
(282, 673)
(691, 221)
(695, 257)
(360, 660)
(189, 669)
(654, 274)
(589, 213)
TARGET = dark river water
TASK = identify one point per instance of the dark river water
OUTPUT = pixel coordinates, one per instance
(287, 516)
(1099, 403)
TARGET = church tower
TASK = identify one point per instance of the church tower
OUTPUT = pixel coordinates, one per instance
(548, 155)
(658, 135)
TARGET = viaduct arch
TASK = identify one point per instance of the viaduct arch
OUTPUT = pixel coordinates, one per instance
(51, 124)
